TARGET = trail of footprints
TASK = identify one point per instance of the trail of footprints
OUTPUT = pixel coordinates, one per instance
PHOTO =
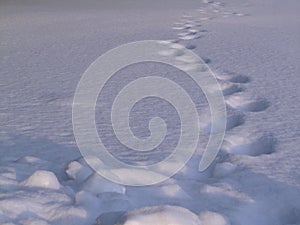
(190, 27)
(238, 102)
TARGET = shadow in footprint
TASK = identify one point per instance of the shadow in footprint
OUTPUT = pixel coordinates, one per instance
(205, 59)
(190, 46)
(247, 103)
(249, 145)
(234, 119)
(233, 77)
(229, 88)
(240, 79)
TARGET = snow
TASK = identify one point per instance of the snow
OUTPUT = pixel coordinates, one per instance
(247, 103)
(161, 215)
(249, 144)
(78, 172)
(97, 184)
(42, 178)
(224, 169)
(213, 218)
(251, 46)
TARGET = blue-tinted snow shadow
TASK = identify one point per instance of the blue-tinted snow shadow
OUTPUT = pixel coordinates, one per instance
(53, 155)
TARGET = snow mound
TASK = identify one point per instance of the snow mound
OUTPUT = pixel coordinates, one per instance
(161, 215)
(42, 178)
(212, 218)
(78, 172)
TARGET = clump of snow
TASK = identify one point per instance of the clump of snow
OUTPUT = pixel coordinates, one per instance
(77, 171)
(42, 178)
(213, 218)
(161, 215)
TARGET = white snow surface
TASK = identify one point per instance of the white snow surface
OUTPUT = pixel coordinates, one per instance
(161, 215)
(253, 48)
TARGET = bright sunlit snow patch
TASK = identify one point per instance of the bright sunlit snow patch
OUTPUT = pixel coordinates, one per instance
(44, 179)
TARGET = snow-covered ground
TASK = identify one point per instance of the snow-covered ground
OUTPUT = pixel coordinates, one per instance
(253, 48)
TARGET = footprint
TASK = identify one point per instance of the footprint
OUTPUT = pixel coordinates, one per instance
(229, 89)
(224, 169)
(226, 87)
(190, 37)
(207, 1)
(190, 46)
(239, 79)
(185, 16)
(234, 78)
(206, 60)
(188, 59)
(186, 33)
(169, 42)
(247, 103)
(191, 67)
(181, 26)
(250, 144)
(172, 51)
(234, 119)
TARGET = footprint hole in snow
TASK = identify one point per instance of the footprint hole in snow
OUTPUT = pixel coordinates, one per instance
(247, 103)
(251, 146)
(190, 46)
(239, 79)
